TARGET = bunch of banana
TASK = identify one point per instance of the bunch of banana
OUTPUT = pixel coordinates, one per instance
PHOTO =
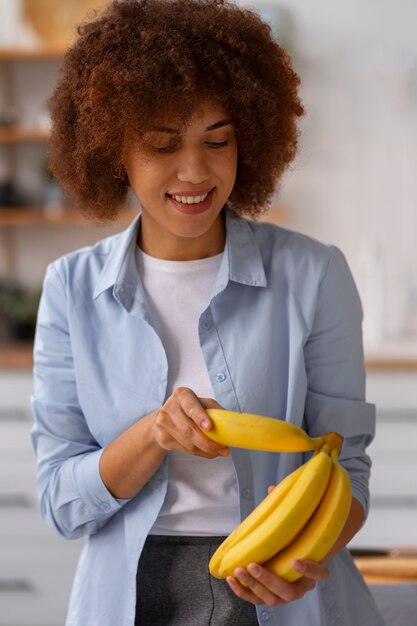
(302, 516)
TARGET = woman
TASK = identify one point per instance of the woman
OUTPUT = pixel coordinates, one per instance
(193, 106)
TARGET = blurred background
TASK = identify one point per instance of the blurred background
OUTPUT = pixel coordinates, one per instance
(353, 184)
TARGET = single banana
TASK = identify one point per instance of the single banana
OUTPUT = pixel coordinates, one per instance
(258, 515)
(245, 430)
(280, 527)
(323, 529)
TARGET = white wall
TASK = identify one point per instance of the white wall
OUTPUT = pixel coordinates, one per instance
(355, 180)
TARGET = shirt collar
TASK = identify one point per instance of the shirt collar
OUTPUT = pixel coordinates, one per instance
(241, 263)
(244, 256)
(120, 265)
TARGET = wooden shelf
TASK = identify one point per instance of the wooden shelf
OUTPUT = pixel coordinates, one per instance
(21, 54)
(16, 356)
(14, 134)
(33, 216)
(380, 364)
(388, 570)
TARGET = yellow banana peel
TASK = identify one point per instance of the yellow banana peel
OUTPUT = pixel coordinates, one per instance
(302, 517)
(256, 432)
(284, 522)
(323, 529)
(256, 517)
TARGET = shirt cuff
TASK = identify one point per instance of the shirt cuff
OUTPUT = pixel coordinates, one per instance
(93, 491)
(362, 498)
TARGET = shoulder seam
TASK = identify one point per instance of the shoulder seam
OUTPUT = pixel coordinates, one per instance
(331, 249)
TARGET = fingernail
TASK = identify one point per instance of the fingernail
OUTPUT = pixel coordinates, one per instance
(298, 565)
(255, 570)
(205, 424)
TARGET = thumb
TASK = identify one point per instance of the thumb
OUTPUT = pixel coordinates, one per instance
(209, 403)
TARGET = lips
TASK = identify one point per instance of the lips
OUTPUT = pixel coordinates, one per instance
(193, 209)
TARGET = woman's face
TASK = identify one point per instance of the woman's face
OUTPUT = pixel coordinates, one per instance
(182, 181)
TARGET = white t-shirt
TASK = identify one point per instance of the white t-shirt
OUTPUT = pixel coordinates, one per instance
(202, 496)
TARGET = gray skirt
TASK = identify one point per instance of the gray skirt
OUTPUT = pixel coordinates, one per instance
(175, 588)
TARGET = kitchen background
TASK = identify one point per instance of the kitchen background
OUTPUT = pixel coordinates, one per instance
(354, 184)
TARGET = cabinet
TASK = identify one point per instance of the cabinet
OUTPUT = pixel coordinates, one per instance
(36, 565)
(392, 519)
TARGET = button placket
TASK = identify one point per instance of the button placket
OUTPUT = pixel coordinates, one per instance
(216, 363)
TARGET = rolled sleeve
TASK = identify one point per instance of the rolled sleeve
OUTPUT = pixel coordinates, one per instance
(91, 487)
(336, 374)
(73, 498)
(355, 421)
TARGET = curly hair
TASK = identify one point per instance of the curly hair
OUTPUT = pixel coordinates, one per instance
(141, 58)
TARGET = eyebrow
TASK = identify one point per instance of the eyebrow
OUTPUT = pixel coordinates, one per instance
(164, 129)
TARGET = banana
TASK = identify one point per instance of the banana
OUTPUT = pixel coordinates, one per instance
(323, 529)
(302, 516)
(258, 515)
(281, 526)
(245, 430)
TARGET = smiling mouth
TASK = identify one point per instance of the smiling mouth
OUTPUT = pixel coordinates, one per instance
(189, 199)
(192, 204)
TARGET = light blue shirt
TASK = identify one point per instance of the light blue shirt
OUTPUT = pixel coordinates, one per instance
(281, 337)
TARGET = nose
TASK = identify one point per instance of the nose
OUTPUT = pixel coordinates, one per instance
(192, 167)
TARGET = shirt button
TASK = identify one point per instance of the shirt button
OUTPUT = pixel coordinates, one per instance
(264, 616)
(220, 377)
(245, 492)
(105, 507)
(206, 325)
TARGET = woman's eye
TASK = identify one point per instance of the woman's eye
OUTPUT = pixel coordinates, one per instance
(164, 149)
(173, 147)
(219, 144)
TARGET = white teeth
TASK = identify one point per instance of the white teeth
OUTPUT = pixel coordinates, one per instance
(190, 199)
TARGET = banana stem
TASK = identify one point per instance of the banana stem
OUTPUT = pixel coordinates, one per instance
(334, 441)
(326, 449)
(317, 443)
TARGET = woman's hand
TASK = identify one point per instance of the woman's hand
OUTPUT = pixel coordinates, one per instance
(263, 587)
(179, 422)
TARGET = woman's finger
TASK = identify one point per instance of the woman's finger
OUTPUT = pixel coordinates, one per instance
(258, 590)
(242, 592)
(286, 591)
(194, 410)
(311, 569)
(178, 425)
